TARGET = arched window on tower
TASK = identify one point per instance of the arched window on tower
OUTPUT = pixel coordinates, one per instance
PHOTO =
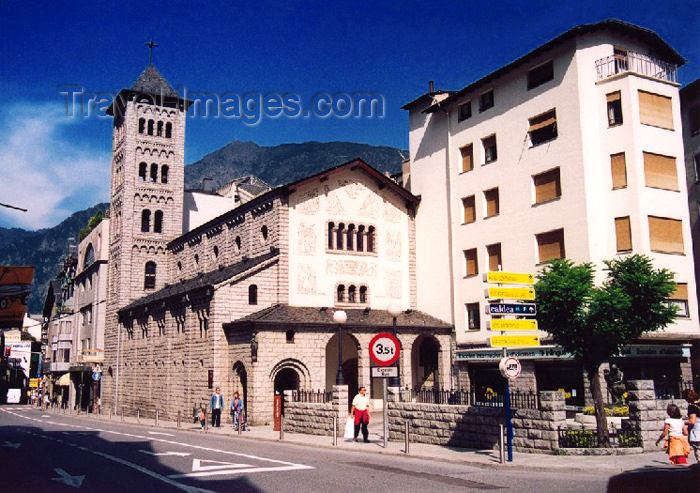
(331, 228)
(154, 173)
(350, 237)
(370, 239)
(164, 173)
(252, 294)
(158, 222)
(352, 294)
(142, 125)
(340, 232)
(145, 221)
(150, 127)
(160, 129)
(363, 294)
(360, 238)
(143, 167)
(168, 130)
(149, 278)
(341, 293)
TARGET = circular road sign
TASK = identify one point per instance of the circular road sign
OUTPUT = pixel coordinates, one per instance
(384, 349)
(510, 367)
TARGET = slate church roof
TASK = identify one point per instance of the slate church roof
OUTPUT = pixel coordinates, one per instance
(152, 82)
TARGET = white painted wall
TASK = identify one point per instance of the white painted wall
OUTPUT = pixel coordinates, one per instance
(202, 207)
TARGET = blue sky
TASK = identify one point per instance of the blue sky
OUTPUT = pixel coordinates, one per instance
(55, 165)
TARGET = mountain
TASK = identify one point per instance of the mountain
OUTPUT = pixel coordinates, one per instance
(277, 165)
(287, 162)
(43, 249)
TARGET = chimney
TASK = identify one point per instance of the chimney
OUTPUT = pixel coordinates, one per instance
(207, 184)
(431, 85)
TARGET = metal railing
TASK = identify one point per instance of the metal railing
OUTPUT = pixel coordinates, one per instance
(312, 396)
(664, 389)
(574, 438)
(518, 399)
(636, 63)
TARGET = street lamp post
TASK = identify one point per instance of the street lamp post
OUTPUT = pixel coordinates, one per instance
(394, 310)
(340, 317)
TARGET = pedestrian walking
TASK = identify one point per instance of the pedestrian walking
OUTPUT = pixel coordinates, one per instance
(693, 399)
(360, 411)
(216, 403)
(678, 447)
(202, 416)
(237, 410)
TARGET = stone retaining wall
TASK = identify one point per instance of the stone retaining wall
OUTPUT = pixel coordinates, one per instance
(316, 418)
(479, 427)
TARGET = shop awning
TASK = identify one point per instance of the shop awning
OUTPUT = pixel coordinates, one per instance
(63, 380)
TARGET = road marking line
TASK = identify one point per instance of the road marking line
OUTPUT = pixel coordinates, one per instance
(198, 466)
(159, 433)
(180, 454)
(239, 471)
(74, 481)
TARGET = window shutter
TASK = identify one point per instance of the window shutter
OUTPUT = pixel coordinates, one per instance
(623, 234)
(619, 170)
(492, 202)
(472, 267)
(543, 120)
(547, 186)
(660, 171)
(681, 292)
(467, 158)
(469, 209)
(655, 110)
(551, 245)
(494, 252)
(666, 235)
(613, 96)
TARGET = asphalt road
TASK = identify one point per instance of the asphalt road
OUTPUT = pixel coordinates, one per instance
(51, 452)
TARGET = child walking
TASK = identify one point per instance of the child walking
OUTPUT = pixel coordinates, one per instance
(202, 417)
(678, 446)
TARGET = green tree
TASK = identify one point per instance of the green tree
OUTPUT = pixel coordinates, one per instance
(592, 322)
(92, 223)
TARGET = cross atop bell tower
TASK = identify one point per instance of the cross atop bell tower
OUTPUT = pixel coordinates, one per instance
(150, 45)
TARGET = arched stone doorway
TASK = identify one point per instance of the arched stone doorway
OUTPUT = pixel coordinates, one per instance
(349, 368)
(286, 379)
(425, 357)
(240, 383)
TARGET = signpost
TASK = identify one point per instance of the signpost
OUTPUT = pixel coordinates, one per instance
(509, 366)
(384, 350)
(505, 324)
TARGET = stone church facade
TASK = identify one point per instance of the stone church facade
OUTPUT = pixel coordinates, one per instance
(245, 301)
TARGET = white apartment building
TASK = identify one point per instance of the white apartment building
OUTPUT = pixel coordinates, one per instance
(574, 150)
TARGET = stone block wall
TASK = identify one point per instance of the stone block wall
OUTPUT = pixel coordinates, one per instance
(316, 419)
(479, 427)
(647, 414)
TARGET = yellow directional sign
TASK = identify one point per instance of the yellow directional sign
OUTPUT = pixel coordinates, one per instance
(503, 324)
(515, 341)
(510, 278)
(511, 293)
(33, 383)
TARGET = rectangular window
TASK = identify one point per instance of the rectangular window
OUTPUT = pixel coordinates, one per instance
(490, 152)
(666, 235)
(543, 128)
(623, 234)
(550, 245)
(619, 170)
(614, 108)
(679, 299)
(467, 158)
(486, 101)
(493, 205)
(494, 254)
(655, 110)
(547, 186)
(660, 171)
(539, 75)
(469, 205)
(473, 316)
(465, 111)
(471, 264)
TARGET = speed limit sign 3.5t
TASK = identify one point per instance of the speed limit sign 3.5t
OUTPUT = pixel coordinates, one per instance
(384, 349)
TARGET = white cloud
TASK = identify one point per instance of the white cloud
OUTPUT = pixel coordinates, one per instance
(44, 169)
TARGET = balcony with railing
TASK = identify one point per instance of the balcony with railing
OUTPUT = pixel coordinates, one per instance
(91, 356)
(636, 63)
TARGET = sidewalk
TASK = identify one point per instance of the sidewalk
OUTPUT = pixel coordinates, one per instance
(605, 464)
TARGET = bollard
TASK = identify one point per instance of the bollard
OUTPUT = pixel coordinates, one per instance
(138, 415)
(122, 414)
(407, 427)
(206, 421)
(500, 445)
(178, 419)
(240, 425)
(335, 430)
(156, 417)
(281, 426)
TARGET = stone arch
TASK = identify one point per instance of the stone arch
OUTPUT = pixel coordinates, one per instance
(350, 357)
(239, 382)
(294, 364)
(425, 361)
